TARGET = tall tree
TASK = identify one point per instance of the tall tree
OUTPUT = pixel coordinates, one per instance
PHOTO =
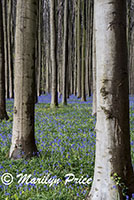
(89, 39)
(54, 100)
(10, 50)
(46, 18)
(112, 128)
(23, 140)
(78, 51)
(131, 45)
(75, 56)
(3, 113)
(39, 50)
(83, 92)
(6, 47)
(65, 54)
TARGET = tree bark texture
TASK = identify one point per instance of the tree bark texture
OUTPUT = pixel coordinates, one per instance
(3, 113)
(23, 139)
(112, 128)
(65, 54)
(54, 98)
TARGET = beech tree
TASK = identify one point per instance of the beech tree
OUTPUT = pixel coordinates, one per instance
(94, 75)
(4, 11)
(3, 113)
(131, 45)
(113, 159)
(65, 54)
(10, 50)
(23, 140)
(78, 52)
(83, 92)
(54, 100)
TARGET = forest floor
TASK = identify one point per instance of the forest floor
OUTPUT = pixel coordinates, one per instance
(65, 138)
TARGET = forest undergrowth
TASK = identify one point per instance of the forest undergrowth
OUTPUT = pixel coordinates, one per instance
(65, 138)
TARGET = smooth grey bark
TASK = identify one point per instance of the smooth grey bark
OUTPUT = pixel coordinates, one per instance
(3, 113)
(47, 71)
(88, 42)
(70, 52)
(78, 52)
(23, 139)
(131, 46)
(69, 56)
(10, 59)
(6, 47)
(60, 43)
(75, 59)
(112, 127)
(94, 108)
(43, 80)
(39, 50)
(83, 77)
(36, 68)
(54, 98)
(65, 54)
(90, 78)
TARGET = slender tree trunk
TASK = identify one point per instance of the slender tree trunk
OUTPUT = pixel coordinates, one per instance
(91, 12)
(47, 70)
(36, 69)
(112, 128)
(78, 53)
(23, 140)
(6, 48)
(54, 100)
(70, 52)
(131, 46)
(3, 113)
(75, 61)
(43, 79)
(83, 93)
(39, 65)
(10, 60)
(65, 54)
(89, 43)
(87, 48)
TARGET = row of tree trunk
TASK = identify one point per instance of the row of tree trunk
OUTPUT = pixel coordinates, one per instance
(110, 73)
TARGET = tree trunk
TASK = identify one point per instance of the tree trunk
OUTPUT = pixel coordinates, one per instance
(6, 48)
(43, 73)
(70, 53)
(10, 60)
(47, 71)
(88, 42)
(65, 54)
(90, 90)
(83, 93)
(75, 61)
(23, 140)
(3, 113)
(91, 48)
(94, 74)
(112, 128)
(39, 52)
(54, 98)
(78, 53)
(131, 47)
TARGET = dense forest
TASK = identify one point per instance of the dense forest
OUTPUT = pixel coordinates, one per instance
(66, 99)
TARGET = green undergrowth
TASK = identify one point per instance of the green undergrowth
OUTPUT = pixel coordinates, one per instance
(65, 139)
